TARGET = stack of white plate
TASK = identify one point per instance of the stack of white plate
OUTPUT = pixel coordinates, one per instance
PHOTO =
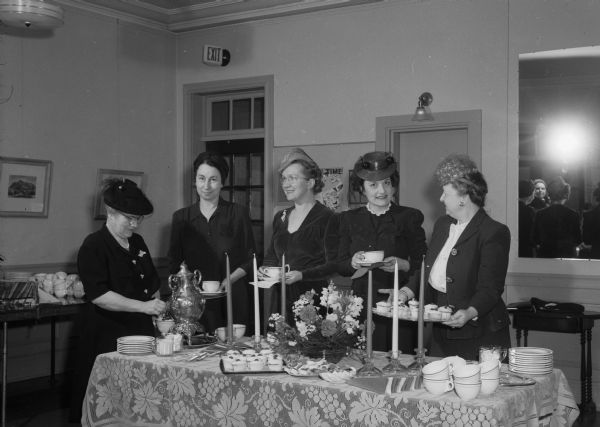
(530, 360)
(135, 344)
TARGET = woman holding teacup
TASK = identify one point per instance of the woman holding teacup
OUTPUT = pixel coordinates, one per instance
(120, 281)
(380, 231)
(466, 265)
(299, 231)
(203, 232)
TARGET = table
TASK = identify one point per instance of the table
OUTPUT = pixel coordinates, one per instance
(581, 323)
(69, 307)
(152, 390)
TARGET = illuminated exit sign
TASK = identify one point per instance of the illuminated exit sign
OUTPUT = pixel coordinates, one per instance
(214, 55)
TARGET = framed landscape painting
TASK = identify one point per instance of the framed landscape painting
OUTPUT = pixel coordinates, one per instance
(24, 187)
(104, 174)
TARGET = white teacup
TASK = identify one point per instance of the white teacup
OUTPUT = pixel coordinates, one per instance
(437, 387)
(467, 391)
(211, 285)
(372, 256)
(221, 333)
(489, 385)
(238, 331)
(490, 369)
(467, 374)
(437, 370)
(274, 273)
(164, 326)
(164, 346)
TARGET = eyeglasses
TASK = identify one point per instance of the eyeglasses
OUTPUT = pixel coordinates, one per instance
(133, 219)
(292, 179)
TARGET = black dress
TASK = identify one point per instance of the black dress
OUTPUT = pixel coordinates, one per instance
(103, 265)
(304, 250)
(591, 231)
(399, 233)
(202, 245)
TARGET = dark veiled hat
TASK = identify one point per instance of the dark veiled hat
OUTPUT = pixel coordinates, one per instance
(125, 196)
(375, 166)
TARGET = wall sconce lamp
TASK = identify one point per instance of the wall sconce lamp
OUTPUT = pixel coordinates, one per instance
(423, 112)
(31, 14)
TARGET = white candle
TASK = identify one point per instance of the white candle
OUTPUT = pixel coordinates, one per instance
(421, 307)
(370, 316)
(256, 304)
(395, 314)
(283, 290)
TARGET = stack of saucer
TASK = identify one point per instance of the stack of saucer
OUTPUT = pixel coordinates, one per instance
(135, 344)
(530, 360)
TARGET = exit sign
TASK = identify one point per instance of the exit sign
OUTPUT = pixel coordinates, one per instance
(214, 55)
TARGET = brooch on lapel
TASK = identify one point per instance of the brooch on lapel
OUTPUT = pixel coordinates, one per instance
(141, 253)
(283, 215)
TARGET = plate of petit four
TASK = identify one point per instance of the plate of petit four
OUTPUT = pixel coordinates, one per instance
(251, 362)
(431, 312)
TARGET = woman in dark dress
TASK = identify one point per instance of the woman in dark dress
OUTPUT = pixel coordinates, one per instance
(466, 265)
(381, 225)
(299, 231)
(120, 281)
(202, 233)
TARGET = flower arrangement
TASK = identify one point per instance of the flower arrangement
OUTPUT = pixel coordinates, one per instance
(332, 327)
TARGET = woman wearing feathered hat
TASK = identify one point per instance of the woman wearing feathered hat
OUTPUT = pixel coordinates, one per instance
(120, 281)
(466, 265)
(383, 226)
(299, 231)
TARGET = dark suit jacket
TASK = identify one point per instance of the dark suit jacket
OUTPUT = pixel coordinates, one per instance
(557, 231)
(475, 272)
(591, 231)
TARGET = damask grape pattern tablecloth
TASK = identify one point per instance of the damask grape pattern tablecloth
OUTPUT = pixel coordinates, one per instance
(167, 391)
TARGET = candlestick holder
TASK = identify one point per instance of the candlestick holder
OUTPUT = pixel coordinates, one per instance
(256, 343)
(394, 367)
(368, 369)
(416, 367)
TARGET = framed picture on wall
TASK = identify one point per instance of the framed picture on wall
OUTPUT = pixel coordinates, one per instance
(24, 187)
(105, 174)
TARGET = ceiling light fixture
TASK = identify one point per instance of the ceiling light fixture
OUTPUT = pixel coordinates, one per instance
(423, 112)
(34, 14)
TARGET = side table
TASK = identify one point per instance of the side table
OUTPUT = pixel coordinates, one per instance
(571, 323)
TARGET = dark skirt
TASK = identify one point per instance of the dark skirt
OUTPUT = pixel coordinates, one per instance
(468, 349)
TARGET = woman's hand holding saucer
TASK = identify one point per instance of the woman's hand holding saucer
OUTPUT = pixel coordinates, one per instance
(357, 259)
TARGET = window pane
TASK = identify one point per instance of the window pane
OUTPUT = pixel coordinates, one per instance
(220, 115)
(256, 204)
(241, 113)
(256, 169)
(240, 197)
(240, 170)
(259, 113)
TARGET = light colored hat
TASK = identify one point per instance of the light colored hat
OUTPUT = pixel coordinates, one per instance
(295, 154)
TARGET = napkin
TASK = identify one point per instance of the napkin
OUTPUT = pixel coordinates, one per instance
(388, 385)
(363, 270)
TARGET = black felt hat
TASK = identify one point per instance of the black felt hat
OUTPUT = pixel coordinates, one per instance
(125, 196)
(375, 166)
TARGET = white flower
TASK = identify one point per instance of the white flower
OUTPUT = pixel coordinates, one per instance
(141, 253)
(302, 328)
(332, 316)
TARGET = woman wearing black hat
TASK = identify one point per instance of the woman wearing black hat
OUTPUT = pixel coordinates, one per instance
(383, 226)
(299, 231)
(120, 281)
(203, 232)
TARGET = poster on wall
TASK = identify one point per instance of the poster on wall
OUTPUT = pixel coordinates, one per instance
(333, 190)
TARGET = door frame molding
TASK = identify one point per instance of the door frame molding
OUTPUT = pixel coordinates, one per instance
(266, 83)
(470, 120)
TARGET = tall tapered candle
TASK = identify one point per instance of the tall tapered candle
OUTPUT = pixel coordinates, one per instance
(395, 315)
(229, 301)
(370, 316)
(283, 290)
(256, 304)
(420, 325)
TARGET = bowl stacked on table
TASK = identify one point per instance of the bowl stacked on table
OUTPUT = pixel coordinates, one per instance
(135, 344)
(530, 360)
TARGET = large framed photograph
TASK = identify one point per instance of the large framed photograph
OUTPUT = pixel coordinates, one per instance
(24, 187)
(105, 174)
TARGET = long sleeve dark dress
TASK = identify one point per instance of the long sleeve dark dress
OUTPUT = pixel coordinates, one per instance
(304, 250)
(202, 245)
(399, 233)
(557, 231)
(103, 265)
